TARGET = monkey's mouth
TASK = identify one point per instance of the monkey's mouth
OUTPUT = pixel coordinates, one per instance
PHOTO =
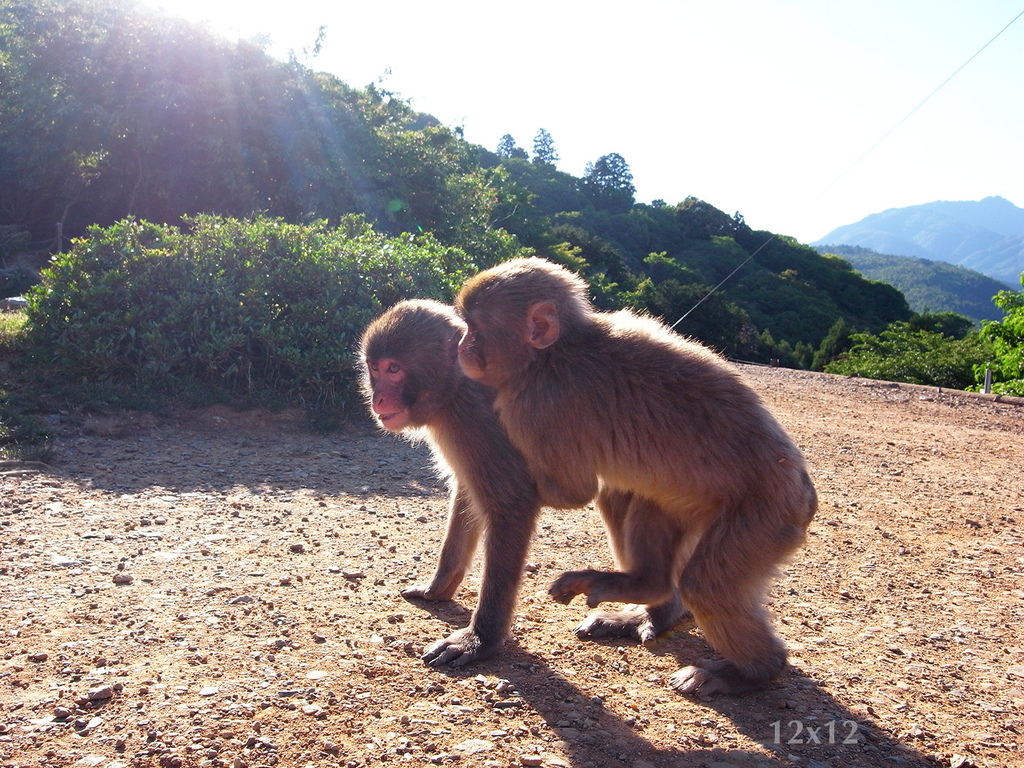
(395, 420)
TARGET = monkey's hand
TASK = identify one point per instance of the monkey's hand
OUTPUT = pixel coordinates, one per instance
(572, 583)
(460, 648)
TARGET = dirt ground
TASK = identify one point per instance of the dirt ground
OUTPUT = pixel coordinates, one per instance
(222, 589)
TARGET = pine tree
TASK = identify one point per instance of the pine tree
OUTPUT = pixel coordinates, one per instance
(544, 149)
(507, 148)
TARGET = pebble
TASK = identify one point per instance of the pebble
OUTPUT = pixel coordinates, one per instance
(101, 693)
(210, 690)
(473, 746)
(87, 726)
(123, 577)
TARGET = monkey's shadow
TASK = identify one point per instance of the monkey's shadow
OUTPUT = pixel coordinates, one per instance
(794, 718)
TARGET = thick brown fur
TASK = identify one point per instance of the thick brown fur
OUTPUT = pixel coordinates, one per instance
(412, 380)
(702, 491)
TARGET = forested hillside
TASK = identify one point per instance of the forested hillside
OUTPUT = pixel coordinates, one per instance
(930, 286)
(108, 111)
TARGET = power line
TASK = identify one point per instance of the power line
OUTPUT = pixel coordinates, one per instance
(855, 163)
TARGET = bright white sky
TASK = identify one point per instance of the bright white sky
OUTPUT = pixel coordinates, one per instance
(754, 106)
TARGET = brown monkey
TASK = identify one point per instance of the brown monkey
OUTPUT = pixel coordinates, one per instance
(412, 379)
(700, 488)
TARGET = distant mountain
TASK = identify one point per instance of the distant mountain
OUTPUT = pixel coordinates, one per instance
(986, 236)
(930, 286)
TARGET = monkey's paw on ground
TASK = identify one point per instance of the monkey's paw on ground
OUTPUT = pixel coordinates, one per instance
(721, 676)
(429, 592)
(460, 648)
(645, 625)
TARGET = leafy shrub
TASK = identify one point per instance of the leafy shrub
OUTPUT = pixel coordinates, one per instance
(902, 353)
(12, 240)
(1006, 338)
(256, 307)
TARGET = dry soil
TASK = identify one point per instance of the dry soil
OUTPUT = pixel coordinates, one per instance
(222, 589)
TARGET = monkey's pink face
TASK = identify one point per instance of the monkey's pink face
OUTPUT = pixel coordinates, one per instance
(388, 377)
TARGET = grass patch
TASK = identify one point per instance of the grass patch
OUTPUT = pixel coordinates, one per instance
(12, 332)
(22, 434)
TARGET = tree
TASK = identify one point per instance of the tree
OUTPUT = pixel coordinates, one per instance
(610, 172)
(1006, 338)
(902, 353)
(719, 323)
(835, 343)
(949, 323)
(544, 149)
(609, 183)
(507, 148)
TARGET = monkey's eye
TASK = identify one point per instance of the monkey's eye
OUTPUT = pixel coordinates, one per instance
(393, 368)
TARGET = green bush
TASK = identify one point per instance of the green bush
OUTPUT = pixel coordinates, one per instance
(902, 353)
(1006, 340)
(254, 308)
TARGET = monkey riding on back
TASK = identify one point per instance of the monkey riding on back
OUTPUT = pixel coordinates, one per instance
(701, 490)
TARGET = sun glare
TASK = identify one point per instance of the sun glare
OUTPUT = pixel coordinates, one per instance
(231, 18)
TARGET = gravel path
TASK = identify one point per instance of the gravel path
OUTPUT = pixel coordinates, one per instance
(222, 589)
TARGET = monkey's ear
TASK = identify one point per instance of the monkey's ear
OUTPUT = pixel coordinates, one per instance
(542, 325)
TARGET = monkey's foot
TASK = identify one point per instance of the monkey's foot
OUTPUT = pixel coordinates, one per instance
(427, 592)
(714, 677)
(460, 648)
(422, 592)
(644, 625)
